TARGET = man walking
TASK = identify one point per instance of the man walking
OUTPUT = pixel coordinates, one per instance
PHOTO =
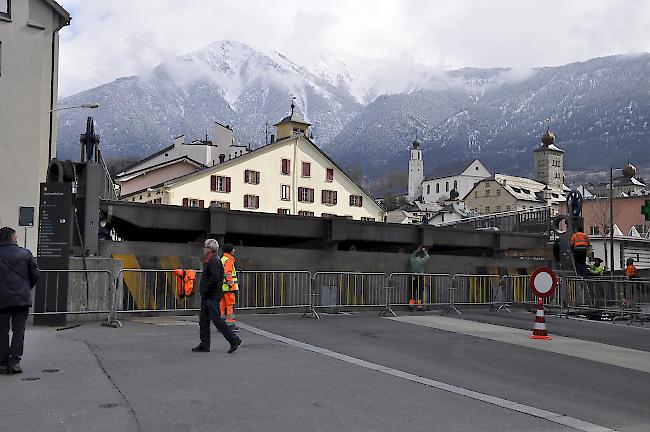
(230, 287)
(18, 275)
(211, 290)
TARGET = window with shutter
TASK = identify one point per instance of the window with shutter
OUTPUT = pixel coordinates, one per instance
(213, 183)
(356, 200)
(329, 174)
(306, 169)
(285, 192)
(329, 197)
(286, 166)
(219, 184)
(186, 202)
(201, 204)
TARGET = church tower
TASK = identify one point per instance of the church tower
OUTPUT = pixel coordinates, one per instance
(549, 163)
(416, 172)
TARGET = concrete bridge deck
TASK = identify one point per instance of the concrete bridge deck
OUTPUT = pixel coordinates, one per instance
(354, 372)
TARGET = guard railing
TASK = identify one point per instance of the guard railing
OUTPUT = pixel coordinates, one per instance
(87, 292)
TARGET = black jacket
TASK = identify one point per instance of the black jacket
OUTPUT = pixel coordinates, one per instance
(212, 279)
(18, 275)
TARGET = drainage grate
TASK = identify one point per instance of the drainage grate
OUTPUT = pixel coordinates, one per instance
(109, 405)
(51, 370)
(31, 379)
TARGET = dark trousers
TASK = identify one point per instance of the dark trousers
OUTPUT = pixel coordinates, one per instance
(210, 312)
(416, 287)
(14, 319)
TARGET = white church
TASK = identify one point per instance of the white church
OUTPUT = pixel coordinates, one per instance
(467, 188)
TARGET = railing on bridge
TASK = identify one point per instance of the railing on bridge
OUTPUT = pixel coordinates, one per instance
(533, 221)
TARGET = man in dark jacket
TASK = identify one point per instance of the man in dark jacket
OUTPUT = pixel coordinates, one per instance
(18, 275)
(210, 289)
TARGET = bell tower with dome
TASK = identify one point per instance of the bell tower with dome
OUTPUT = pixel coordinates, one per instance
(549, 163)
(416, 172)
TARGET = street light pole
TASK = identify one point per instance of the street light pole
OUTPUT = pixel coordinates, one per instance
(611, 222)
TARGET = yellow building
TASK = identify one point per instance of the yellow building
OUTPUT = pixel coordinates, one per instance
(289, 176)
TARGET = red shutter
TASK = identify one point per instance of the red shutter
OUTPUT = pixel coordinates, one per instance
(311, 195)
(300, 194)
(360, 201)
(257, 202)
(186, 202)
(245, 201)
(201, 204)
(213, 183)
(324, 197)
(285, 166)
(334, 202)
(257, 177)
(306, 169)
(245, 176)
(330, 174)
(228, 184)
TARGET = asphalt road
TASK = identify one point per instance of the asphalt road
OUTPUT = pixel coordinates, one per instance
(143, 377)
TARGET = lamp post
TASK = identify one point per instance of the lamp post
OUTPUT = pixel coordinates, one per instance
(611, 222)
(51, 113)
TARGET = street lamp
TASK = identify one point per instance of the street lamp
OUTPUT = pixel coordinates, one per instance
(86, 105)
(50, 112)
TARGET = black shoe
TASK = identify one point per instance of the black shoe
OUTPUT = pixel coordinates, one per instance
(15, 368)
(200, 348)
(4, 370)
(234, 328)
(234, 346)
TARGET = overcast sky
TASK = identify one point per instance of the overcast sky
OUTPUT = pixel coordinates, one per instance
(112, 38)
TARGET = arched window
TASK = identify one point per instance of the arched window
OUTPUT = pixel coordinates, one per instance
(456, 184)
(437, 187)
(428, 189)
(446, 186)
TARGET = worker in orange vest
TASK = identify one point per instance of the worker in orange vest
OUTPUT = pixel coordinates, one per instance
(579, 247)
(630, 269)
(230, 287)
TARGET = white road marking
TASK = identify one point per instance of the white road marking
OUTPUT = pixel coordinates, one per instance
(493, 400)
(594, 351)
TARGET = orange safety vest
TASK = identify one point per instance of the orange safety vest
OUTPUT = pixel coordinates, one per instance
(630, 271)
(580, 241)
(184, 282)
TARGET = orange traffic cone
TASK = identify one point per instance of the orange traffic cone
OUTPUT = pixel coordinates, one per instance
(539, 330)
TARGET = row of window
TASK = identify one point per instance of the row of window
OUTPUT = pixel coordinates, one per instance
(446, 187)
(223, 184)
(487, 192)
(306, 170)
(305, 195)
(254, 200)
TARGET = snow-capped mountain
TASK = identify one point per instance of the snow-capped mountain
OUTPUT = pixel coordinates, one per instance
(366, 112)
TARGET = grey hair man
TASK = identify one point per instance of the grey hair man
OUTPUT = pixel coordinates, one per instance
(210, 289)
(18, 275)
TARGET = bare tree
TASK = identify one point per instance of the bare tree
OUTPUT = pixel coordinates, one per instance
(601, 219)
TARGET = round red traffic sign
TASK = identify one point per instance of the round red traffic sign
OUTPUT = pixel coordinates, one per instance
(543, 282)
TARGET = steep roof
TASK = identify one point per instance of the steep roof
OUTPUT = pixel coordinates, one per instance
(292, 119)
(124, 176)
(525, 189)
(450, 170)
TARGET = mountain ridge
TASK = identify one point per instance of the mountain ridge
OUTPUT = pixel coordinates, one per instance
(367, 117)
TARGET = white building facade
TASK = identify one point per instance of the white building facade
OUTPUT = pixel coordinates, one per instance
(459, 177)
(289, 176)
(29, 57)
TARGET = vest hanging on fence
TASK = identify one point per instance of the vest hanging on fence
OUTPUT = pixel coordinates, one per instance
(184, 282)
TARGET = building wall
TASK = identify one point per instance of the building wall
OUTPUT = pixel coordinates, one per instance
(25, 94)
(627, 213)
(549, 168)
(268, 162)
(465, 182)
(490, 197)
(156, 177)
(416, 174)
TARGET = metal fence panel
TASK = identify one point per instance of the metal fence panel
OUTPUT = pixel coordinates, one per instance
(273, 289)
(431, 289)
(348, 289)
(476, 289)
(88, 292)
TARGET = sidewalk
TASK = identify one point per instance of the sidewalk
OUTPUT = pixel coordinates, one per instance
(159, 385)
